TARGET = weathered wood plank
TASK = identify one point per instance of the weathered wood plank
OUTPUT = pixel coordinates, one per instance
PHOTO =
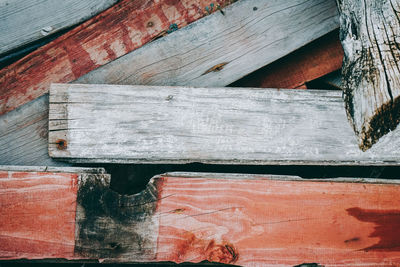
(151, 124)
(37, 218)
(248, 220)
(24, 135)
(369, 33)
(113, 33)
(308, 63)
(23, 22)
(220, 49)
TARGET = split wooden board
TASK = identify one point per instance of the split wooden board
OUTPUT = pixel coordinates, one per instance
(248, 220)
(213, 51)
(155, 124)
(23, 22)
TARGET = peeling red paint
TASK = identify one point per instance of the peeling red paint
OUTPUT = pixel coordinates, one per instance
(71, 55)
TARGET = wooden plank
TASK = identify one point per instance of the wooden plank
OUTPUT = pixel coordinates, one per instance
(24, 135)
(248, 220)
(308, 63)
(38, 212)
(113, 33)
(155, 124)
(249, 36)
(369, 33)
(23, 22)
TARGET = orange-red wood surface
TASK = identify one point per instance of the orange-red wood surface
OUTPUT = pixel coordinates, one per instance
(310, 62)
(37, 215)
(265, 222)
(115, 32)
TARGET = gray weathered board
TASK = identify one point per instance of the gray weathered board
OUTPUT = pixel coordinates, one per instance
(249, 35)
(150, 124)
(219, 49)
(23, 135)
(25, 21)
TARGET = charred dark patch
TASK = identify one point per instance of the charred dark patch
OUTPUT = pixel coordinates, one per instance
(111, 225)
(386, 119)
(387, 227)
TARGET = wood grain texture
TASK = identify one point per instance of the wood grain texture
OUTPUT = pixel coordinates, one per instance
(23, 22)
(248, 220)
(115, 32)
(308, 63)
(155, 124)
(37, 214)
(220, 49)
(369, 34)
(24, 135)
(258, 221)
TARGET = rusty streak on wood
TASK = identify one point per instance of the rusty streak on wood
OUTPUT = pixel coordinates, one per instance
(308, 63)
(249, 220)
(111, 34)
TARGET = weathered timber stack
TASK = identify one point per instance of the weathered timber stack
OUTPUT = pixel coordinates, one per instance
(116, 91)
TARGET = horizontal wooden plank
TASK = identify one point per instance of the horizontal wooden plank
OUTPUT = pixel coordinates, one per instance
(155, 124)
(24, 135)
(220, 49)
(26, 21)
(248, 220)
(295, 70)
(38, 208)
(113, 33)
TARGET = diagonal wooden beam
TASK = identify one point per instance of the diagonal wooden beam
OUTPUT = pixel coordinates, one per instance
(162, 124)
(23, 22)
(369, 33)
(304, 65)
(113, 33)
(248, 220)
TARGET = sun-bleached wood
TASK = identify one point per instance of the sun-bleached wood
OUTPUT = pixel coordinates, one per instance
(221, 48)
(242, 219)
(160, 124)
(24, 135)
(369, 33)
(26, 21)
(111, 34)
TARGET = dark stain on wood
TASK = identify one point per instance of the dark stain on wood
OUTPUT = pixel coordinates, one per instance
(387, 227)
(61, 144)
(386, 119)
(111, 225)
(354, 239)
(212, 251)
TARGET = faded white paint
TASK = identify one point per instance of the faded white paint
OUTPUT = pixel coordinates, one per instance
(104, 123)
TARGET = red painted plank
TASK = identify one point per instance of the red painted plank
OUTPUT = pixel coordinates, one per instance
(247, 220)
(265, 222)
(37, 215)
(115, 32)
(308, 63)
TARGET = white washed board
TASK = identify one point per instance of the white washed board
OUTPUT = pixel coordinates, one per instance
(149, 124)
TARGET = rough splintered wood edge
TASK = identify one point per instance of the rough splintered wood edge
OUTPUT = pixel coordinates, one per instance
(369, 31)
(51, 169)
(58, 125)
(213, 175)
(30, 20)
(113, 33)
